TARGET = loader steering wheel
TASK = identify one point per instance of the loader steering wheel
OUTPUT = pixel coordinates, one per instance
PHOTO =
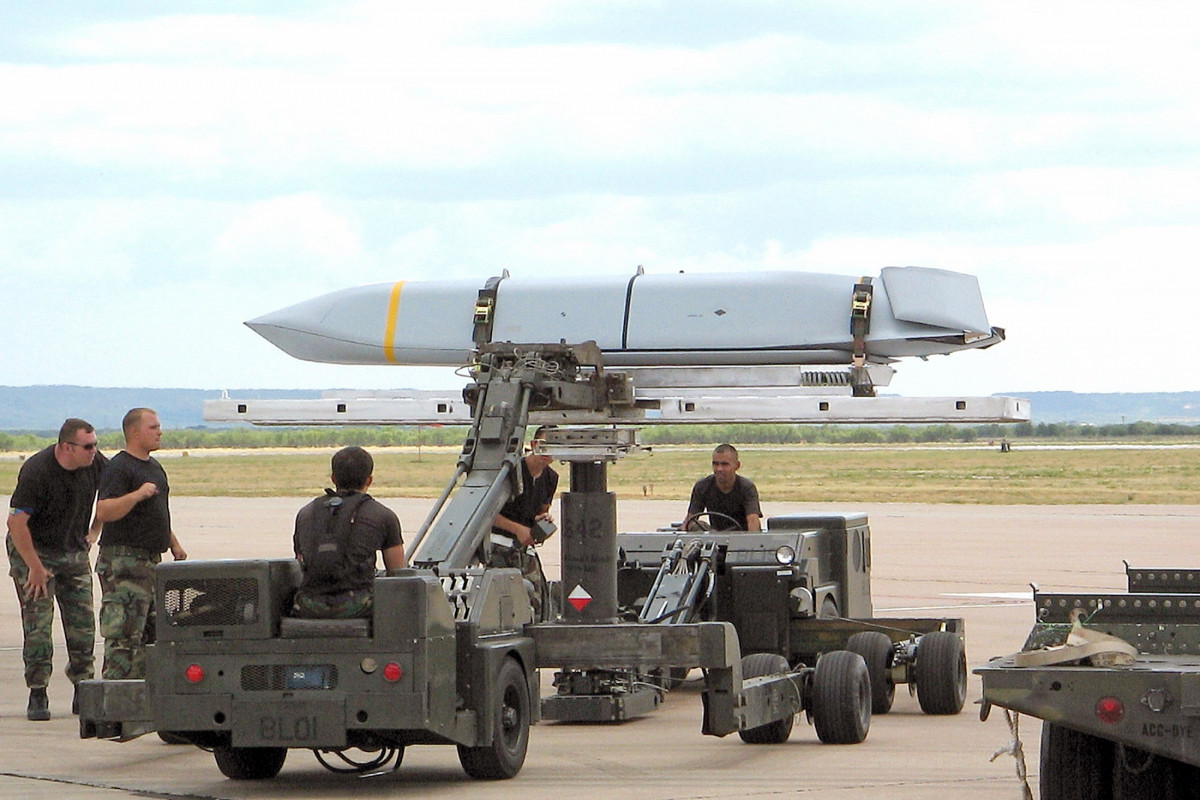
(694, 523)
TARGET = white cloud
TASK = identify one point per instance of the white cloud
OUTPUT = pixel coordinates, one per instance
(203, 169)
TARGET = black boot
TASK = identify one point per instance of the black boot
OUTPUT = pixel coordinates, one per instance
(75, 700)
(39, 705)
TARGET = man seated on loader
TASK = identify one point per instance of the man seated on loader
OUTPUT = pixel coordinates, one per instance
(336, 538)
(729, 501)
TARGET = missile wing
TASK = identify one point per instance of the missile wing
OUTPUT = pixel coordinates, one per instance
(646, 320)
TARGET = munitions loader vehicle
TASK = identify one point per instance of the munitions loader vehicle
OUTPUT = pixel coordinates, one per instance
(452, 653)
(1115, 679)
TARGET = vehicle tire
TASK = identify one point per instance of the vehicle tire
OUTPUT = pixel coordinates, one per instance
(841, 698)
(505, 755)
(941, 673)
(250, 763)
(876, 650)
(1074, 765)
(171, 738)
(1138, 775)
(777, 732)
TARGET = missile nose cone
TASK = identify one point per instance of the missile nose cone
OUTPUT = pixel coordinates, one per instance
(334, 328)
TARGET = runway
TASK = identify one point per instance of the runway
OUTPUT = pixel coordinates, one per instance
(974, 562)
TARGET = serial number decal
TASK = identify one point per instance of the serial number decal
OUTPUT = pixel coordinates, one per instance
(287, 729)
(1161, 730)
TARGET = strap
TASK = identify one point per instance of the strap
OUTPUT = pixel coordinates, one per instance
(860, 326)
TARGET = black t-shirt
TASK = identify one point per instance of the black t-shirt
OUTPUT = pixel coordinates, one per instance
(148, 523)
(535, 495)
(58, 501)
(737, 503)
(375, 527)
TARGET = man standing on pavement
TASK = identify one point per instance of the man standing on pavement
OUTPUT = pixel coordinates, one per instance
(137, 531)
(732, 499)
(513, 529)
(48, 540)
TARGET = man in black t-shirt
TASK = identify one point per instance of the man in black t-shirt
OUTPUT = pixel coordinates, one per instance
(726, 493)
(336, 539)
(513, 542)
(137, 531)
(50, 530)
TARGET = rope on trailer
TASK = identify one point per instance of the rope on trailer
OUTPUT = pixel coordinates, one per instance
(1015, 749)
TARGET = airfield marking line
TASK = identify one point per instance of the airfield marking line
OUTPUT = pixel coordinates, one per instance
(110, 787)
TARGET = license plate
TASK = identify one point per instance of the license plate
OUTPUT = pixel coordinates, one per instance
(291, 723)
(311, 677)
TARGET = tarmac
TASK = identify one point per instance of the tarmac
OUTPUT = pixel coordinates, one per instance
(974, 562)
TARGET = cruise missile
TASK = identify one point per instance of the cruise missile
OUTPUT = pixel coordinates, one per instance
(646, 320)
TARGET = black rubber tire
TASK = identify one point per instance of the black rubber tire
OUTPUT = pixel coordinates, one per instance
(171, 738)
(941, 673)
(1074, 765)
(1138, 775)
(876, 650)
(841, 698)
(250, 763)
(504, 756)
(777, 732)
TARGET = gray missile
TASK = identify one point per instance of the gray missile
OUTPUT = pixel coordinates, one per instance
(675, 319)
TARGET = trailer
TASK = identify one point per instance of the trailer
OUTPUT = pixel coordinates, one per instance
(798, 589)
(1115, 679)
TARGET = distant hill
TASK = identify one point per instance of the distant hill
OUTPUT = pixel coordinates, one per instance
(42, 409)
(1114, 408)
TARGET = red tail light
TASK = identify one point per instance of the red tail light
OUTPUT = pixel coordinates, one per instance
(1110, 710)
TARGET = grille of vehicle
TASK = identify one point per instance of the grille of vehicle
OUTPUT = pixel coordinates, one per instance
(278, 677)
(211, 601)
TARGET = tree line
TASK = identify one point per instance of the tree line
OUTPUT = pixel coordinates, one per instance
(777, 434)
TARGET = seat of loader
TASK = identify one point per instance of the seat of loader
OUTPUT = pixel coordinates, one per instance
(298, 628)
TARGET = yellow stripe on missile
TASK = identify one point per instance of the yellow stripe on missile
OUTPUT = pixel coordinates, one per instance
(389, 335)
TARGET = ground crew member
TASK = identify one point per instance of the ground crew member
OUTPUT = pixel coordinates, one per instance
(726, 493)
(336, 538)
(50, 530)
(133, 505)
(513, 530)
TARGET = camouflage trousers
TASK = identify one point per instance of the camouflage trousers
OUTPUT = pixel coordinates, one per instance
(526, 560)
(345, 605)
(70, 585)
(127, 616)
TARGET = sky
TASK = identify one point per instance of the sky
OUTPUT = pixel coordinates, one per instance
(170, 170)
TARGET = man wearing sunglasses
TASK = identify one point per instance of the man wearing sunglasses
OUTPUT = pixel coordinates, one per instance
(50, 529)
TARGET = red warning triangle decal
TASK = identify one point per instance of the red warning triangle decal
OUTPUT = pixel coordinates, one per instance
(579, 598)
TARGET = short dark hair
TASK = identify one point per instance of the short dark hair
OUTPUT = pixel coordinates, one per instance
(726, 448)
(72, 426)
(134, 416)
(352, 466)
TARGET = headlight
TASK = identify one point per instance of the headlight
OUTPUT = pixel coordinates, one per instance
(785, 555)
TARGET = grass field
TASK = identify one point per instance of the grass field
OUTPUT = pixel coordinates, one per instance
(1031, 474)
